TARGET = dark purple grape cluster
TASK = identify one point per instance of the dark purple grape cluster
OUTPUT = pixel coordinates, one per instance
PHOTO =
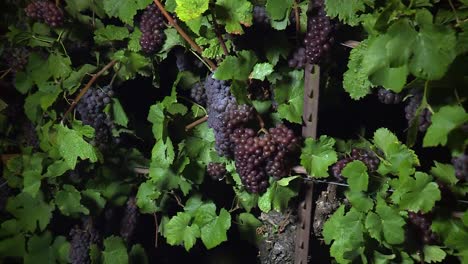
(16, 58)
(152, 27)
(197, 93)
(91, 110)
(216, 170)
(424, 119)
(421, 223)
(29, 134)
(298, 58)
(388, 97)
(45, 11)
(79, 246)
(318, 39)
(129, 220)
(224, 115)
(461, 167)
(258, 157)
(260, 16)
(369, 158)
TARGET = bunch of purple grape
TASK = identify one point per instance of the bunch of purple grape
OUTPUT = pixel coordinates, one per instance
(45, 11)
(369, 158)
(152, 27)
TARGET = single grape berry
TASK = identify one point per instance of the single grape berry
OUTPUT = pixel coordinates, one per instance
(152, 28)
(388, 97)
(216, 170)
(45, 11)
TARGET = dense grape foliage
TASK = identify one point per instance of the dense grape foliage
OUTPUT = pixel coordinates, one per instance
(368, 157)
(216, 170)
(129, 220)
(424, 118)
(91, 108)
(388, 97)
(197, 93)
(80, 241)
(260, 16)
(422, 225)
(152, 27)
(298, 58)
(318, 39)
(47, 11)
(461, 167)
(257, 157)
(29, 135)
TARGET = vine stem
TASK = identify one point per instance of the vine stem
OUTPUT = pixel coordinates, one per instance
(196, 123)
(260, 121)
(87, 86)
(298, 23)
(183, 34)
(156, 230)
(218, 34)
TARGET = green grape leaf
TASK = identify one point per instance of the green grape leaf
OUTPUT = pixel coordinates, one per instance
(179, 230)
(30, 211)
(399, 159)
(356, 172)
(444, 173)
(110, 33)
(462, 40)
(134, 41)
(236, 67)
(158, 119)
(247, 225)
(125, 10)
(261, 70)
(276, 197)
(233, 14)
(172, 39)
(72, 82)
(40, 249)
(277, 9)
(442, 123)
(465, 218)
(115, 251)
(386, 224)
(452, 232)
(204, 213)
(360, 201)
(12, 246)
(318, 155)
(356, 79)
(190, 9)
(68, 201)
(419, 194)
(71, 145)
(32, 173)
(247, 200)
(212, 47)
(346, 232)
(433, 254)
(119, 115)
(214, 232)
(162, 155)
(137, 255)
(346, 10)
(59, 66)
(277, 49)
(93, 199)
(289, 94)
(131, 63)
(146, 195)
(433, 49)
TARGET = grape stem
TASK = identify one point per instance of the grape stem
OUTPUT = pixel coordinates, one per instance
(298, 23)
(218, 34)
(87, 86)
(187, 38)
(196, 123)
(260, 121)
